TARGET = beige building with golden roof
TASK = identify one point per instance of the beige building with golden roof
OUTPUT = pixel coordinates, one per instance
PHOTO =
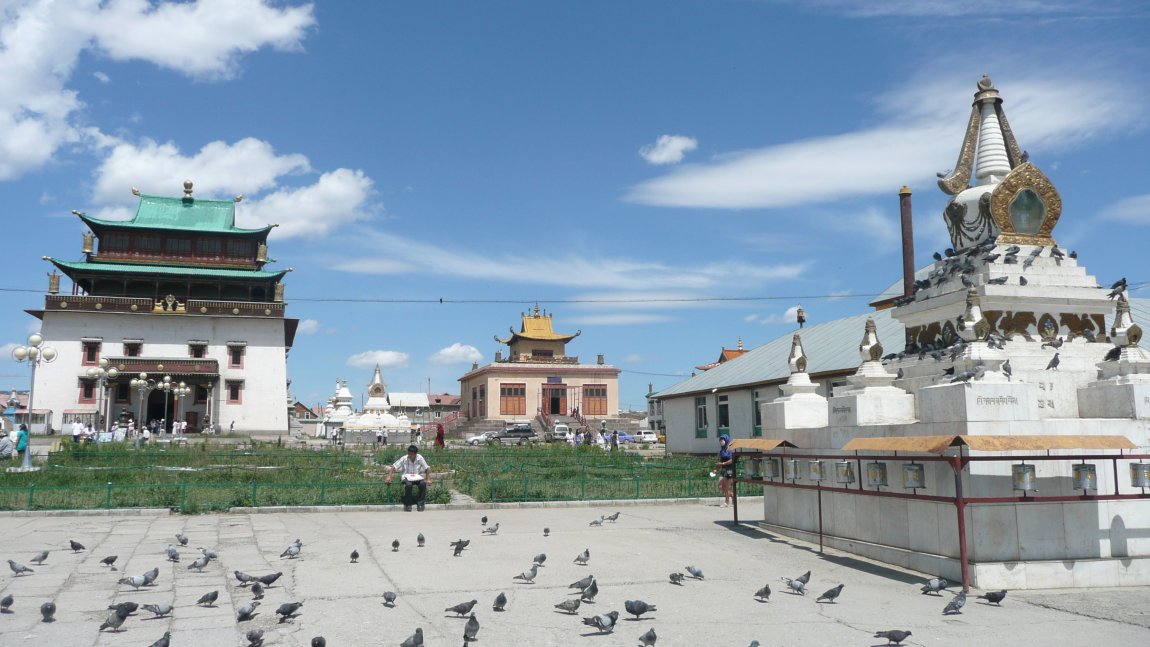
(538, 376)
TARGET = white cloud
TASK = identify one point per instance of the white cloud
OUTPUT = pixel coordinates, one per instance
(634, 358)
(101, 77)
(220, 170)
(457, 353)
(920, 132)
(668, 149)
(6, 350)
(575, 269)
(41, 41)
(790, 315)
(618, 319)
(308, 327)
(385, 358)
(1134, 210)
(933, 8)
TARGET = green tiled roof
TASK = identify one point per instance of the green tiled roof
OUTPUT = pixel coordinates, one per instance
(175, 270)
(185, 214)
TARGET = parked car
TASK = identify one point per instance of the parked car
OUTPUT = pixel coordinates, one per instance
(515, 435)
(560, 433)
(479, 439)
(625, 437)
(648, 437)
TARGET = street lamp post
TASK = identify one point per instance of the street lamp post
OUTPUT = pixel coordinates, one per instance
(34, 353)
(102, 374)
(167, 387)
(144, 386)
(180, 392)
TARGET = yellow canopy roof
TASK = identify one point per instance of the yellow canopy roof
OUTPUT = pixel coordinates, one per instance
(939, 444)
(761, 444)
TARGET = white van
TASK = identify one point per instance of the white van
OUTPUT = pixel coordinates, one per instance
(559, 433)
(647, 437)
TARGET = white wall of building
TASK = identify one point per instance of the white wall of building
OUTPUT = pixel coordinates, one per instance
(264, 372)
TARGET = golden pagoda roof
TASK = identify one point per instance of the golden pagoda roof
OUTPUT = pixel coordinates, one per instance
(537, 326)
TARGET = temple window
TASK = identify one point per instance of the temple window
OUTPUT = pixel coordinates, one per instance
(179, 246)
(90, 353)
(148, 244)
(236, 355)
(87, 392)
(241, 249)
(114, 242)
(724, 413)
(701, 417)
(197, 350)
(235, 389)
(208, 247)
(133, 348)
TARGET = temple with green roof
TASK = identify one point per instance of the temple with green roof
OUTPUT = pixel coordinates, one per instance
(178, 292)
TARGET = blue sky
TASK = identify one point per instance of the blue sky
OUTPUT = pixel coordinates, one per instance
(665, 176)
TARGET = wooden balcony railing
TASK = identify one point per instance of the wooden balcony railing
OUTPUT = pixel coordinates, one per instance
(89, 303)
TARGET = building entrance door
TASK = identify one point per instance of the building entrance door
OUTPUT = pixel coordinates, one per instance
(555, 400)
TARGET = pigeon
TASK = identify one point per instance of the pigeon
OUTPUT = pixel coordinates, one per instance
(583, 583)
(948, 252)
(695, 572)
(483, 521)
(500, 602)
(990, 258)
(899, 375)
(291, 552)
(75, 545)
(570, 606)
(831, 594)
(648, 639)
(605, 623)
(268, 580)
(288, 610)
(1090, 336)
(546, 532)
(209, 599)
(182, 538)
(583, 557)
(164, 641)
(39, 558)
(1053, 364)
(966, 282)
(6, 603)
(113, 621)
(1022, 280)
(1013, 250)
(127, 607)
(796, 586)
(470, 629)
(135, 581)
(255, 637)
(208, 552)
(638, 607)
(462, 609)
(414, 640)
(1113, 354)
(597, 522)
(612, 517)
(1118, 288)
(389, 598)
(319, 641)
(19, 569)
(1057, 254)
(935, 585)
(245, 612)
(354, 556)
(528, 575)
(420, 540)
(998, 281)
(458, 549)
(936, 256)
(150, 576)
(893, 636)
(173, 553)
(763, 594)
(48, 610)
(199, 564)
(591, 591)
(805, 578)
(110, 561)
(995, 597)
(540, 558)
(160, 610)
(677, 578)
(966, 376)
(491, 530)
(1053, 343)
(257, 591)
(243, 578)
(956, 604)
(395, 546)
(1007, 370)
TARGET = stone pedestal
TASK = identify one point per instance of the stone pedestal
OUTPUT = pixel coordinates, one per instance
(798, 408)
(978, 402)
(1123, 391)
(870, 399)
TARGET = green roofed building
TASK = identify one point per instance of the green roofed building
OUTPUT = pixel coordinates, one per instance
(177, 292)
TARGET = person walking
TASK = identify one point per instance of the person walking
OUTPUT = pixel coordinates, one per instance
(440, 436)
(726, 467)
(415, 473)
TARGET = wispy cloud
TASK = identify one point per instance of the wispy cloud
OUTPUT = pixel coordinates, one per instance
(308, 327)
(456, 353)
(919, 131)
(668, 149)
(409, 256)
(624, 319)
(1134, 210)
(385, 358)
(790, 315)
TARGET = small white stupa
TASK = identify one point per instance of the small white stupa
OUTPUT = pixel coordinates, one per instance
(799, 406)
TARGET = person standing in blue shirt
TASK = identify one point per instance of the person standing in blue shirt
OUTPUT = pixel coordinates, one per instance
(22, 441)
(726, 467)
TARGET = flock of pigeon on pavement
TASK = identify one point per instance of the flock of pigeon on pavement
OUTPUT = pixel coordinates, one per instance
(586, 589)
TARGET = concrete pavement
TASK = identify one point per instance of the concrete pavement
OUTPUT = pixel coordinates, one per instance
(630, 559)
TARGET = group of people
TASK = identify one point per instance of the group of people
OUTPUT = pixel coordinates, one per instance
(10, 447)
(595, 438)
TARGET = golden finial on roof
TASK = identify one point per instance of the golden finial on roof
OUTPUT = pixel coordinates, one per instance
(536, 310)
(187, 188)
(740, 343)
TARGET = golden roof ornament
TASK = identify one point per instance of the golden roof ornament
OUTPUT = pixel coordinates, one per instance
(187, 188)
